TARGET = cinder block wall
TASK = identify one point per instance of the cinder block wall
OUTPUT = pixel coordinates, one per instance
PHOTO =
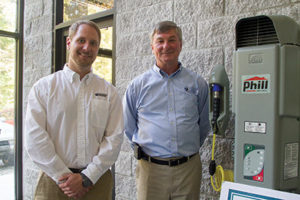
(208, 39)
(38, 16)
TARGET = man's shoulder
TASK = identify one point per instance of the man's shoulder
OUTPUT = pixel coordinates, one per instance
(47, 79)
(43, 86)
(143, 77)
(102, 82)
(101, 85)
(192, 74)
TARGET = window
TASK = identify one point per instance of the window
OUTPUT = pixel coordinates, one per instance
(11, 38)
(103, 63)
(7, 130)
(74, 9)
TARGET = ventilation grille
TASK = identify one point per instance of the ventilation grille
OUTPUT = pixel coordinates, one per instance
(255, 31)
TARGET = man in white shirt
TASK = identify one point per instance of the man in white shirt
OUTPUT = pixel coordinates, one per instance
(74, 124)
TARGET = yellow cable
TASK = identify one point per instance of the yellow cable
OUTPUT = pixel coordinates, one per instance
(220, 175)
(213, 147)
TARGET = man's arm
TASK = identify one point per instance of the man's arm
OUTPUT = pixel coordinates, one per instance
(130, 112)
(203, 108)
(37, 140)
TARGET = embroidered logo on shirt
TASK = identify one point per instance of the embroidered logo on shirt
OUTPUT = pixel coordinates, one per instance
(191, 90)
(100, 95)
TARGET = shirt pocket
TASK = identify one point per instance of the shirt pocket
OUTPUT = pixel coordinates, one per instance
(99, 112)
(187, 102)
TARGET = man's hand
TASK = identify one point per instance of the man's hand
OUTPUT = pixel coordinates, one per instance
(72, 185)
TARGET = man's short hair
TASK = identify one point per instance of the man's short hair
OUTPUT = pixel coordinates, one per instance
(165, 26)
(74, 27)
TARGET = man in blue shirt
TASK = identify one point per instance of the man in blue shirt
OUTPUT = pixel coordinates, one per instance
(166, 120)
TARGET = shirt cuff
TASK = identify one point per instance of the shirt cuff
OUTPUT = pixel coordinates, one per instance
(92, 173)
(57, 176)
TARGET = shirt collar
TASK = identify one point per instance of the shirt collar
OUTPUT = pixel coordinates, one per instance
(72, 76)
(164, 74)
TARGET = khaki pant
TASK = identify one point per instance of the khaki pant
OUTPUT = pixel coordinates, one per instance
(161, 182)
(47, 189)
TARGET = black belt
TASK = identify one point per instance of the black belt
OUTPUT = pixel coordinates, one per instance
(74, 170)
(170, 163)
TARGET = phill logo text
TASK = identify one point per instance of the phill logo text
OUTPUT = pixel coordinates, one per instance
(255, 84)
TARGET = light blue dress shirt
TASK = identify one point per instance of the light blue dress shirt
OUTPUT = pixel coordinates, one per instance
(167, 115)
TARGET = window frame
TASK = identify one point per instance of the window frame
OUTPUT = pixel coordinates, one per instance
(18, 35)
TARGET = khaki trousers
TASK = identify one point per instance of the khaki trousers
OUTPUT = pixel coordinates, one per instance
(161, 182)
(47, 189)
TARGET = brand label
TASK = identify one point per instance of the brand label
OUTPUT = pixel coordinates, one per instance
(255, 127)
(255, 59)
(256, 84)
(291, 160)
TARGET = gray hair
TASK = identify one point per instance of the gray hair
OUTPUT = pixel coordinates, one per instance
(165, 26)
(74, 27)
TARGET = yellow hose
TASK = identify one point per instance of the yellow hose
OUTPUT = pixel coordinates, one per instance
(220, 175)
(213, 147)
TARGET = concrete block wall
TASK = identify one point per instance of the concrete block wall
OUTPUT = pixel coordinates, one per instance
(208, 39)
(38, 17)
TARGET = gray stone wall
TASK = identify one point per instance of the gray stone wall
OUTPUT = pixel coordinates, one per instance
(38, 15)
(208, 35)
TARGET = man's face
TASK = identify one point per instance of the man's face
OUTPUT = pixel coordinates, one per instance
(83, 47)
(166, 47)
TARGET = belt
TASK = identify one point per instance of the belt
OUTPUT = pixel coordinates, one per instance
(74, 170)
(170, 163)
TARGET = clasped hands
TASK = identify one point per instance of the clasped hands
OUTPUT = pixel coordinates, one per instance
(71, 185)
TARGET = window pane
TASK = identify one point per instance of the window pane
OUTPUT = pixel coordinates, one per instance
(7, 96)
(103, 65)
(8, 9)
(106, 38)
(103, 68)
(77, 8)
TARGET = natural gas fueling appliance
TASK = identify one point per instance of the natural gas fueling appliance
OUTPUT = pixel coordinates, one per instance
(265, 101)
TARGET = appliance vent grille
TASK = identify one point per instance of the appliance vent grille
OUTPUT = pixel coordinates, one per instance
(256, 31)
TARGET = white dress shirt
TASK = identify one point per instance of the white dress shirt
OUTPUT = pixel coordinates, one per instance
(73, 124)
